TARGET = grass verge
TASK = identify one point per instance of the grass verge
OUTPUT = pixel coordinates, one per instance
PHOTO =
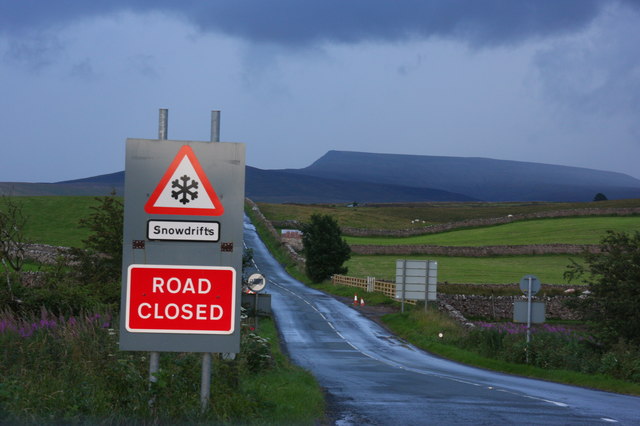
(423, 330)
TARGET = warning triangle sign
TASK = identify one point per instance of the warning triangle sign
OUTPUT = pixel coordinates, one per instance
(184, 189)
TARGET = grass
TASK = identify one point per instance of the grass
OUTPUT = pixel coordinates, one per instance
(463, 270)
(54, 220)
(575, 230)
(423, 328)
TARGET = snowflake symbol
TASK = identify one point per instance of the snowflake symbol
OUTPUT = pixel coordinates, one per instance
(184, 189)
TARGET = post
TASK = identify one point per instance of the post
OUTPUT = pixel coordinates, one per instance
(215, 126)
(426, 287)
(529, 312)
(528, 319)
(404, 284)
(154, 366)
(205, 378)
(205, 382)
(154, 357)
(163, 124)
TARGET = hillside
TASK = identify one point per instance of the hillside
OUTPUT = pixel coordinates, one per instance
(344, 177)
(481, 178)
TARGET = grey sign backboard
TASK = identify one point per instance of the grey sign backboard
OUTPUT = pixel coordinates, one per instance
(520, 312)
(183, 216)
(416, 279)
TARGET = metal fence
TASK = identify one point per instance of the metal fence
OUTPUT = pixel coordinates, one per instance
(369, 284)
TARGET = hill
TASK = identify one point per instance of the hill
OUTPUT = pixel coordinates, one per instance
(344, 177)
(480, 178)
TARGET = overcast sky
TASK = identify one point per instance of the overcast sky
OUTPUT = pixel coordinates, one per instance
(551, 81)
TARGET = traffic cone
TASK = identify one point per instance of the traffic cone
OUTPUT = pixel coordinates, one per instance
(361, 302)
(355, 299)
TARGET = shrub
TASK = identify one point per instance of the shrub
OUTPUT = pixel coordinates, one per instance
(325, 250)
(613, 278)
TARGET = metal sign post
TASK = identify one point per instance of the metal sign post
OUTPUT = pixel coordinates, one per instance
(182, 251)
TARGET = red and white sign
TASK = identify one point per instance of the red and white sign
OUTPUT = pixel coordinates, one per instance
(180, 299)
(184, 189)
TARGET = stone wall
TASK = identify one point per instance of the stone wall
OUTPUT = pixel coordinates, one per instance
(291, 251)
(43, 253)
(483, 251)
(501, 307)
(433, 229)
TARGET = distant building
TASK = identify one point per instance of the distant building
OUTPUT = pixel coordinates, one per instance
(291, 233)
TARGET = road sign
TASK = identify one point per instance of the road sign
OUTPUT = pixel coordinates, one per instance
(521, 312)
(160, 233)
(184, 189)
(416, 279)
(180, 299)
(179, 230)
(530, 280)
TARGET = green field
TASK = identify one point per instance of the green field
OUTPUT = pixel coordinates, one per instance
(466, 270)
(54, 220)
(574, 230)
(459, 270)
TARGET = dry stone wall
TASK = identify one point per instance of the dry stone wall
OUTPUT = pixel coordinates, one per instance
(483, 251)
(501, 307)
(433, 229)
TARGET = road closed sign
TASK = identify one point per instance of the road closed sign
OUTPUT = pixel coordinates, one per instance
(180, 299)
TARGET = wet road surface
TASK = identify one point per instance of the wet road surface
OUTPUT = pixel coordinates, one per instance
(374, 378)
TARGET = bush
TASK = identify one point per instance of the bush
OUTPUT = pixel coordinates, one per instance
(613, 278)
(325, 250)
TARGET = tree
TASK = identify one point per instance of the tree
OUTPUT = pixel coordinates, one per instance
(600, 197)
(613, 279)
(13, 244)
(101, 259)
(324, 248)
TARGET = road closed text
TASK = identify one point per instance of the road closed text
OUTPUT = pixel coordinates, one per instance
(180, 299)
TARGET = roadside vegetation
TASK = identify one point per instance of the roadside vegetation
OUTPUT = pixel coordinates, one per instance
(570, 352)
(59, 357)
(69, 370)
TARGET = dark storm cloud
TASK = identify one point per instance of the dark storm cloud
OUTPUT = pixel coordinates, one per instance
(296, 22)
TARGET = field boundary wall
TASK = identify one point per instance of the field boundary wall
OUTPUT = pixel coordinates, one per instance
(474, 306)
(472, 223)
(480, 251)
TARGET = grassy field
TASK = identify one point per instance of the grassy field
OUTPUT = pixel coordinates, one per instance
(399, 216)
(463, 270)
(574, 230)
(54, 220)
(488, 270)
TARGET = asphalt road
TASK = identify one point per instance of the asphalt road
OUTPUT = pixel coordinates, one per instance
(371, 377)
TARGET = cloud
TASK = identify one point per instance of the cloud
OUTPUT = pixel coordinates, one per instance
(597, 72)
(300, 23)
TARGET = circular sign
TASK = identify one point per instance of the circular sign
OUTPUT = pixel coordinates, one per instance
(530, 281)
(256, 282)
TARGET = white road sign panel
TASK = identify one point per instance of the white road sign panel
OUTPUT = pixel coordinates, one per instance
(179, 230)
